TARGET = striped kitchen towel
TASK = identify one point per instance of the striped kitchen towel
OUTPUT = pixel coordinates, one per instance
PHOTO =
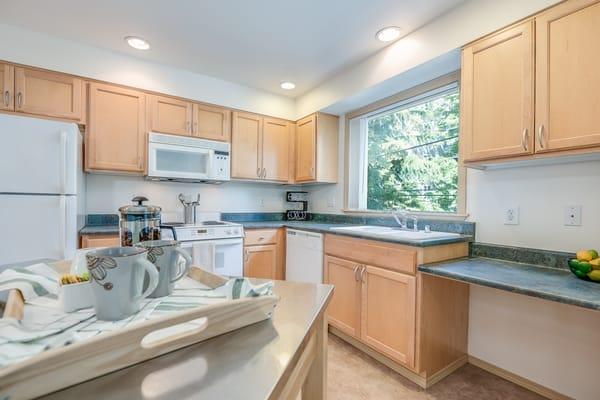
(33, 281)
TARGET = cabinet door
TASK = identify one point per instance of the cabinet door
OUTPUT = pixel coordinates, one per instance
(47, 93)
(169, 115)
(567, 78)
(344, 309)
(306, 146)
(7, 85)
(497, 95)
(388, 313)
(100, 241)
(275, 149)
(212, 123)
(245, 145)
(116, 131)
(260, 261)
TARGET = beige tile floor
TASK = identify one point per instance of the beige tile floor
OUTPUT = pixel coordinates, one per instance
(352, 375)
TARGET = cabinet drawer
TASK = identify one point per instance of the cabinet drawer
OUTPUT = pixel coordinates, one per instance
(260, 236)
(387, 255)
(104, 240)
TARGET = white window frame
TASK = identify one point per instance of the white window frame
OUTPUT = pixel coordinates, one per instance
(355, 183)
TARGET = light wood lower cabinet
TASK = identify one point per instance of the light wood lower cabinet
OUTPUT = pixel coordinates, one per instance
(264, 253)
(116, 131)
(108, 240)
(415, 323)
(7, 86)
(344, 310)
(388, 313)
(47, 93)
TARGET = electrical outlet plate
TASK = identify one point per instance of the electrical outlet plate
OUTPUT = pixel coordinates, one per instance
(572, 215)
(511, 216)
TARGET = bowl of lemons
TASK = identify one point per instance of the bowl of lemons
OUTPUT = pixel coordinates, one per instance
(586, 266)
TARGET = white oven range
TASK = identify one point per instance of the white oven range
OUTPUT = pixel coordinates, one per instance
(216, 246)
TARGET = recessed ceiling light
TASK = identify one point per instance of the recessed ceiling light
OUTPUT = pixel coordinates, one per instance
(288, 85)
(388, 34)
(137, 42)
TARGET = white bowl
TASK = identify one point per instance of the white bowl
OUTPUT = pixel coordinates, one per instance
(76, 296)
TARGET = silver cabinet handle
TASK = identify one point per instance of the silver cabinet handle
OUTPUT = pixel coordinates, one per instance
(362, 272)
(6, 98)
(246, 256)
(541, 136)
(525, 139)
(195, 129)
(355, 271)
(264, 174)
(258, 172)
(188, 127)
(19, 99)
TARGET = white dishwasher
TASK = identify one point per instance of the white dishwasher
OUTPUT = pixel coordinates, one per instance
(304, 256)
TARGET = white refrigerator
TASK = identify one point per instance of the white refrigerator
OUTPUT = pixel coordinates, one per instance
(42, 189)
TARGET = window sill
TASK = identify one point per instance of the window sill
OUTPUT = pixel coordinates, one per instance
(418, 214)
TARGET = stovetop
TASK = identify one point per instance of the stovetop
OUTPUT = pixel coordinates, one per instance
(204, 230)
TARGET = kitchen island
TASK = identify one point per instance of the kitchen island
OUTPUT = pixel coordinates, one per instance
(273, 359)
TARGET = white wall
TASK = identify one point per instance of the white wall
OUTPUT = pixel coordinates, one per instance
(546, 342)
(36, 49)
(106, 193)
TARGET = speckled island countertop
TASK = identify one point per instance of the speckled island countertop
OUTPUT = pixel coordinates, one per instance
(553, 284)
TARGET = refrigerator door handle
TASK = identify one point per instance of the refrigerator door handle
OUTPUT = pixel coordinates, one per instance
(62, 229)
(63, 162)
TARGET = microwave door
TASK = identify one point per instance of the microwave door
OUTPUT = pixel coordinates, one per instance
(176, 161)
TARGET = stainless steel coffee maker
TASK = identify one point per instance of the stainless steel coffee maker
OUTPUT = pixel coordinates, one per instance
(189, 208)
(139, 222)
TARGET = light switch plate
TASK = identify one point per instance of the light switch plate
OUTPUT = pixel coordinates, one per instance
(572, 215)
(511, 216)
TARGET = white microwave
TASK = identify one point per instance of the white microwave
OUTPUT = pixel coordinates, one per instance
(187, 159)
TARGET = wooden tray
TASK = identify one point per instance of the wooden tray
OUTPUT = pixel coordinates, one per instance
(66, 366)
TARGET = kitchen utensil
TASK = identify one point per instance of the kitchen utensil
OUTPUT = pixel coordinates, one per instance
(166, 256)
(139, 222)
(117, 276)
(189, 209)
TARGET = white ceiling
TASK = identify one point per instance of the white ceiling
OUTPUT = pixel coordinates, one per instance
(256, 43)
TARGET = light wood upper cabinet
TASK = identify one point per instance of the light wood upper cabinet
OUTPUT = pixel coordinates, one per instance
(260, 147)
(170, 115)
(306, 149)
(260, 261)
(116, 131)
(7, 87)
(567, 77)
(317, 148)
(47, 93)
(344, 310)
(211, 122)
(245, 146)
(497, 88)
(275, 149)
(388, 315)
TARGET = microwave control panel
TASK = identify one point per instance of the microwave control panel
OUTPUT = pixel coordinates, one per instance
(221, 165)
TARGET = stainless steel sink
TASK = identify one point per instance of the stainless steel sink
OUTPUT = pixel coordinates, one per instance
(395, 233)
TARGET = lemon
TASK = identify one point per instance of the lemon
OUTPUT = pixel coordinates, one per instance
(594, 275)
(585, 255)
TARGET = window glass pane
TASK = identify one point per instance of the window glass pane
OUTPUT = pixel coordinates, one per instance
(413, 156)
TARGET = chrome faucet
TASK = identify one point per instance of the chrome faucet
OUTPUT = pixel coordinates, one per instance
(401, 218)
(415, 221)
